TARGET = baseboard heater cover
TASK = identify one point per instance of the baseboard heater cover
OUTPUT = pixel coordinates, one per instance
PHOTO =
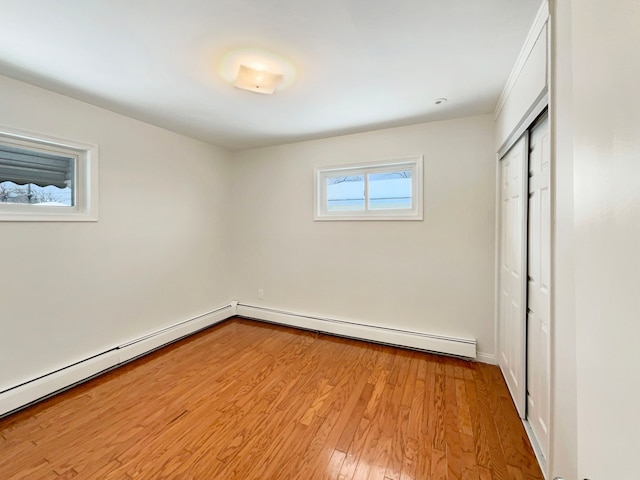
(42, 387)
(155, 340)
(31, 391)
(461, 347)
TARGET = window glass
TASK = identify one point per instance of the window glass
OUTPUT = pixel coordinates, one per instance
(47, 179)
(345, 192)
(35, 177)
(390, 190)
(35, 194)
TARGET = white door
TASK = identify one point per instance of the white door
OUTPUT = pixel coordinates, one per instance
(538, 302)
(512, 276)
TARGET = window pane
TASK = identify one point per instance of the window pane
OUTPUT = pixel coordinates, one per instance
(35, 177)
(345, 193)
(386, 190)
(390, 190)
(35, 194)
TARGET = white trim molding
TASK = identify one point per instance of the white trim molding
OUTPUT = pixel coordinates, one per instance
(461, 347)
(488, 358)
(538, 24)
(54, 382)
(528, 84)
(37, 389)
(537, 450)
(148, 343)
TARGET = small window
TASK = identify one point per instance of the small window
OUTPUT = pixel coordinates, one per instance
(46, 179)
(390, 190)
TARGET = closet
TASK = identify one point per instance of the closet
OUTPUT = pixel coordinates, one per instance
(524, 341)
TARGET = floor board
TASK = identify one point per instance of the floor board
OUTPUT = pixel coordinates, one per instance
(248, 400)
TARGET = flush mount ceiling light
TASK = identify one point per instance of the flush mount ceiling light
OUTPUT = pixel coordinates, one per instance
(256, 80)
(257, 70)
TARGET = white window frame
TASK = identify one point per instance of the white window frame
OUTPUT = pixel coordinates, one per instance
(85, 205)
(414, 163)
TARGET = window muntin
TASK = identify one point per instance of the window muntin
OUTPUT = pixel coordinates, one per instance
(46, 179)
(390, 190)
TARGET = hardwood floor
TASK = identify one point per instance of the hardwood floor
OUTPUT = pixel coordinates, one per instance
(246, 400)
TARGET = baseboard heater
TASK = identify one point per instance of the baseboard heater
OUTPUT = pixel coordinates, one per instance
(37, 389)
(460, 347)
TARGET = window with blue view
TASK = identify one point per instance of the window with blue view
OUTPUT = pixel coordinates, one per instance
(386, 191)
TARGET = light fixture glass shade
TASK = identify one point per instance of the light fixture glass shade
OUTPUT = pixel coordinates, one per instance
(255, 80)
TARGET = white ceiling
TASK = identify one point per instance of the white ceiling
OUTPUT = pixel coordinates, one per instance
(360, 64)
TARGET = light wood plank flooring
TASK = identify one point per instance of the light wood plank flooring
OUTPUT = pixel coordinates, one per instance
(246, 400)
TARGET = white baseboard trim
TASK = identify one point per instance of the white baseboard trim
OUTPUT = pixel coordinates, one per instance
(537, 450)
(143, 345)
(42, 387)
(461, 347)
(31, 391)
(489, 358)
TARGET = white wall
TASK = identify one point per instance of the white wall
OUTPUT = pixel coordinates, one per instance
(157, 255)
(564, 399)
(606, 175)
(434, 276)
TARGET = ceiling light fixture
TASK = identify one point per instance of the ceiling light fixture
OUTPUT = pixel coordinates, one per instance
(257, 80)
(440, 101)
(257, 70)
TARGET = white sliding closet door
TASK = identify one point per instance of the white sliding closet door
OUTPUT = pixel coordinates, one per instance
(539, 275)
(513, 270)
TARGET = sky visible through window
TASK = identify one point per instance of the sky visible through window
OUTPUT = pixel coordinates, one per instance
(391, 190)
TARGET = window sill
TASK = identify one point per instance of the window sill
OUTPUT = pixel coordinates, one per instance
(352, 218)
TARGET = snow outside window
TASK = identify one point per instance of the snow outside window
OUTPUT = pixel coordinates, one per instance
(389, 190)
